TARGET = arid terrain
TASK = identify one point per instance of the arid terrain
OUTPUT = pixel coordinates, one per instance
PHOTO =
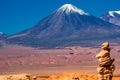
(54, 63)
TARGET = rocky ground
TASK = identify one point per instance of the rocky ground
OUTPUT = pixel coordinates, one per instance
(63, 76)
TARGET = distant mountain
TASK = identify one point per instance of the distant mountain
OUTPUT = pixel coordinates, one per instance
(2, 35)
(66, 26)
(112, 17)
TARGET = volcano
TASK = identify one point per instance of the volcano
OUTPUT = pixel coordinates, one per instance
(67, 26)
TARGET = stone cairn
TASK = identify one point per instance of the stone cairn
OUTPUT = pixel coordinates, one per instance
(105, 68)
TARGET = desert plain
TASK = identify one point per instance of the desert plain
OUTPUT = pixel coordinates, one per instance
(68, 63)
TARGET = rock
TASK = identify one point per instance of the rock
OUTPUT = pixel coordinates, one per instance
(105, 68)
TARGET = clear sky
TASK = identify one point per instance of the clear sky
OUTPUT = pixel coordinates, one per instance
(18, 15)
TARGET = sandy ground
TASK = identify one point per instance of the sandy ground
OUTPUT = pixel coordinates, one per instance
(63, 76)
(57, 72)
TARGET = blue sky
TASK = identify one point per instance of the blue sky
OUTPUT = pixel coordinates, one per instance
(18, 15)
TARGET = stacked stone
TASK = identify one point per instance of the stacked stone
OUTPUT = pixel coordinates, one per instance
(105, 68)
